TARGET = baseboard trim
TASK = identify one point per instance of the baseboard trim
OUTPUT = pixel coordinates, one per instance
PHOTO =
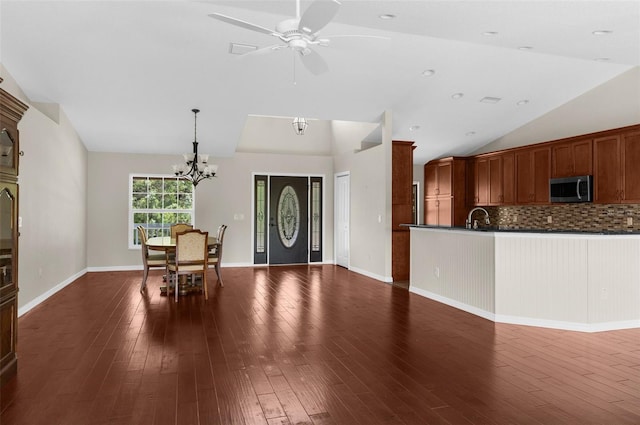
(42, 297)
(387, 279)
(453, 303)
(528, 321)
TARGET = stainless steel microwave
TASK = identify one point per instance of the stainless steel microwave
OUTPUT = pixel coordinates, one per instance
(571, 189)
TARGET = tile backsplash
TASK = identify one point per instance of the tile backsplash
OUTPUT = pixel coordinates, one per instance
(584, 216)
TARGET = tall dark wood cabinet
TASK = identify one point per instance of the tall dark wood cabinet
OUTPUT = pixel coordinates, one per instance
(11, 111)
(402, 208)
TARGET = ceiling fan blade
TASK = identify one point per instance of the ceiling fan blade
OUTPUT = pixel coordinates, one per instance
(318, 15)
(265, 50)
(372, 42)
(314, 62)
(243, 24)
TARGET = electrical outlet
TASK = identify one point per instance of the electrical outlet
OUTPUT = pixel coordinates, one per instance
(629, 221)
(515, 218)
(549, 219)
(436, 271)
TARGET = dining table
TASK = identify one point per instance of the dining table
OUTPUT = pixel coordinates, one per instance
(168, 245)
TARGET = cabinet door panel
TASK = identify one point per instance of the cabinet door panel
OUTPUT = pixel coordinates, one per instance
(430, 180)
(400, 255)
(495, 180)
(445, 174)
(583, 158)
(631, 170)
(444, 212)
(482, 181)
(563, 160)
(542, 173)
(431, 211)
(607, 174)
(8, 239)
(402, 173)
(524, 177)
(508, 179)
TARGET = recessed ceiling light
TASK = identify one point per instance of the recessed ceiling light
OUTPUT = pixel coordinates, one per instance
(471, 133)
(414, 128)
(522, 102)
(428, 72)
(490, 33)
(387, 16)
(525, 48)
(602, 32)
(490, 99)
(457, 95)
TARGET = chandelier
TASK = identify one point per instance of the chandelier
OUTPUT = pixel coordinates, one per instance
(299, 125)
(195, 167)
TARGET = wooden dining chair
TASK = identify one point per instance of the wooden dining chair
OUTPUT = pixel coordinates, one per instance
(179, 228)
(149, 261)
(190, 259)
(215, 255)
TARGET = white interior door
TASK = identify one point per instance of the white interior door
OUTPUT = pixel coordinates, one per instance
(342, 184)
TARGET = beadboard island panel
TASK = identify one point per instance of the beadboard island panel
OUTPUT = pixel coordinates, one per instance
(575, 281)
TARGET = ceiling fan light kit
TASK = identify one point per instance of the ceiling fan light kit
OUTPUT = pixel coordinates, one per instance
(299, 125)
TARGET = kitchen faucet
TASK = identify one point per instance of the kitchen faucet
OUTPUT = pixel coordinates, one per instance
(475, 222)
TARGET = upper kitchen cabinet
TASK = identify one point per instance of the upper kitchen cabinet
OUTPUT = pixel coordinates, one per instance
(616, 170)
(533, 170)
(437, 177)
(572, 158)
(501, 179)
(444, 181)
(478, 178)
(11, 112)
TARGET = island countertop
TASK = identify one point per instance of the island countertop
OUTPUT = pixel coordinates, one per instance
(501, 229)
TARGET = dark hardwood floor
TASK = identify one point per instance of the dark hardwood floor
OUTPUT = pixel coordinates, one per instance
(304, 345)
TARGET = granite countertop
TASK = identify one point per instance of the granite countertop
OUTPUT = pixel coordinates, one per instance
(498, 229)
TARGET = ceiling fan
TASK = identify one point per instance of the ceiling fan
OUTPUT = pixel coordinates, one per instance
(299, 34)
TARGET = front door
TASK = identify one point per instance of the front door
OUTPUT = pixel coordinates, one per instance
(288, 220)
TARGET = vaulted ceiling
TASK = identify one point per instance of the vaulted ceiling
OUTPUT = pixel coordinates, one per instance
(128, 73)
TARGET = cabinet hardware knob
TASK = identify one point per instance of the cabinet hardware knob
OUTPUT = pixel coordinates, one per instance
(21, 153)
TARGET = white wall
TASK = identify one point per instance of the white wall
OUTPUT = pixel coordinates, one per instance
(370, 191)
(218, 201)
(613, 104)
(53, 199)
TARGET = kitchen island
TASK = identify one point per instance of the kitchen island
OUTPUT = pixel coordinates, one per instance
(567, 280)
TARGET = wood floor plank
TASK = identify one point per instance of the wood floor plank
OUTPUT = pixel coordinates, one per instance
(315, 345)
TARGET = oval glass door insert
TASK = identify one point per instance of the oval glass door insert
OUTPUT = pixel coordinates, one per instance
(288, 216)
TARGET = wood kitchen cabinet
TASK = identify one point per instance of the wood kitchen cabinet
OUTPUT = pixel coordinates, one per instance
(492, 180)
(438, 178)
(616, 168)
(572, 158)
(501, 179)
(11, 111)
(402, 207)
(478, 172)
(533, 170)
(445, 192)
